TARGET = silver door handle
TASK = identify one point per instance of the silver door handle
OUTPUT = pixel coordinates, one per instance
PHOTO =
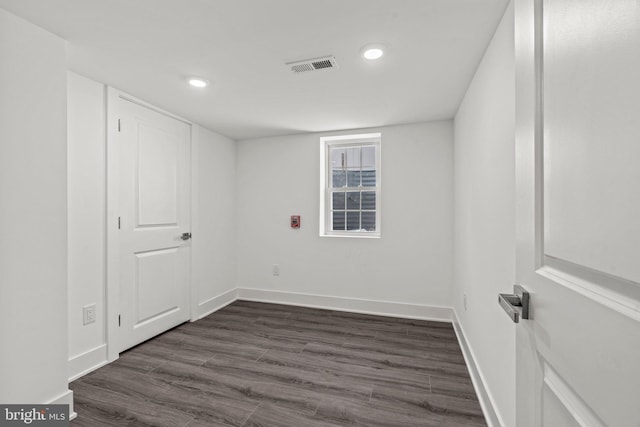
(185, 236)
(516, 305)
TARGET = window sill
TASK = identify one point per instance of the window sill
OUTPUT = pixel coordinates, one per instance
(353, 235)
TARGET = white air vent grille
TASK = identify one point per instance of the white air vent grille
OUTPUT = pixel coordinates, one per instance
(313, 64)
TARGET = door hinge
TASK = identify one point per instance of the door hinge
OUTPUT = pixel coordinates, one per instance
(118, 320)
(118, 223)
(118, 125)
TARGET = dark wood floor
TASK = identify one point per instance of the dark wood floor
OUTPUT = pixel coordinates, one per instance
(254, 364)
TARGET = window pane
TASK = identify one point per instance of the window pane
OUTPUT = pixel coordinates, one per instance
(369, 221)
(353, 200)
(353, 178)
(338, 167)
(368, 158)
(368, 178)
(353, 220)
(339, 178)
(338, 220)
(368, 200)
(338, 158)
(353, 158)
(339, 200)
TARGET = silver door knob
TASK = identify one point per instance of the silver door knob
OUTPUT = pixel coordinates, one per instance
(516, 305)
(185, 236)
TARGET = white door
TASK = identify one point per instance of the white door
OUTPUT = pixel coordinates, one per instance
(578, 212)
(154, 199)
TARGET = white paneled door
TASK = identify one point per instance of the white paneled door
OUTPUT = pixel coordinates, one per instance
(154, 201)
(578, 212)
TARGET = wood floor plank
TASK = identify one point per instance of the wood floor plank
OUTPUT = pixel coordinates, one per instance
(153, 349)
(426, 323)
(205, 423)
(293, 399)
(366, 327)
(428, 332)
(257, 364)
(132, 385)
(137, 362)
(384, 361)
(346, 371)
(220, 342)
(380, 347)
(440, 344)
(292, 374)
(412, 401)
(273, 416)
(325, 325)
(215, 408)
(459, 387)
(351, 413)
(302, 332)
(235, 336)
(250, 310)
(376, 323)
(213, 381)
(106, 406)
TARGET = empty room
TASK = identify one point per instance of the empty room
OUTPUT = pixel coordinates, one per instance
(320, 213)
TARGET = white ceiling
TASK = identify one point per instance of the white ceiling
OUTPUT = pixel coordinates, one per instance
(148, 47)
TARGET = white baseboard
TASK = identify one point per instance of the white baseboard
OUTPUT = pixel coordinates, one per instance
(65, 398)
(214, 304)
(484, 396)
(354, 305)
(86, 362)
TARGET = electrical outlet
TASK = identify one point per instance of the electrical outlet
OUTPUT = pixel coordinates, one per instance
(276, 270)
(88, 314)
(464, 301)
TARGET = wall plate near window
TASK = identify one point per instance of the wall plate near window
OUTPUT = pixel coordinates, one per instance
(350, 185)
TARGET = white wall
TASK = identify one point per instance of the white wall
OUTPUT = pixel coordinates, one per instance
(213, 272)
(33, 214)
(86, 220)
(411, 263)
(484, 209)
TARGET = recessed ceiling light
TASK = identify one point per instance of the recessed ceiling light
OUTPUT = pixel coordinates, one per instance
(198, 82)
(372, 52)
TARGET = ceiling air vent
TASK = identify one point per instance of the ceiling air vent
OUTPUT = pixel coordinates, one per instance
(313, 64)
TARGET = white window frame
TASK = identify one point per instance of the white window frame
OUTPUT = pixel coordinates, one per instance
(326, 143)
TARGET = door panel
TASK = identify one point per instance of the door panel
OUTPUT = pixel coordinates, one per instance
(154, 212)
(591, 127)
(157, 176)
(561, 406)
(578, 211)
(156, 295)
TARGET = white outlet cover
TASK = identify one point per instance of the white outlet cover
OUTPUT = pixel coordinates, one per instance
(88, 314)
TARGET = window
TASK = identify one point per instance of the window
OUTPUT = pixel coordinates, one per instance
(350, 186)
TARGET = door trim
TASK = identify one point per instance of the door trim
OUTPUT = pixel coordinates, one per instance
(112, 290)
(617, 293)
